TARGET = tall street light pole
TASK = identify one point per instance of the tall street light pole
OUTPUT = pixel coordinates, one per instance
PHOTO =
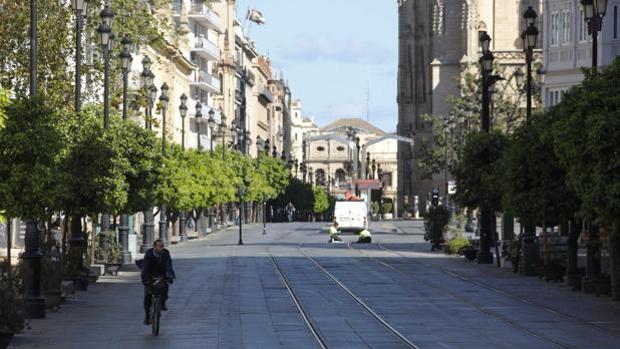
(486, 213)
(198, 119)
(529, 37)
(105, 41)
(594, 11)
(35, 305)
(212, 132)
(243, 142)
(163, 221)
(183, 111)
(77, 242)
(123, 228)
(147, 82)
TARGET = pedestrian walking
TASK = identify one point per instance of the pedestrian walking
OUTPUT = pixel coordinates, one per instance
(290, 211)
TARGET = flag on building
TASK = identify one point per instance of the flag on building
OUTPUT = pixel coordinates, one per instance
(255, 16)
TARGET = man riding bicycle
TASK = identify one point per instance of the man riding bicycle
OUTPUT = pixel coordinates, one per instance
(156, 263)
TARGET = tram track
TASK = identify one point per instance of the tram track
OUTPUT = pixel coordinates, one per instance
(312, 326)
(481, 309)
(524, 300)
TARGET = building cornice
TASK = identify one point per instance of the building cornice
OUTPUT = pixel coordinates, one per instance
(175, 55)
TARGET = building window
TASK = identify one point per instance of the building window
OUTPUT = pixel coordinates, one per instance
(583, 26)
(615, 19)
(387, 179)
(566, 24)
(555, 29)
(554, 97)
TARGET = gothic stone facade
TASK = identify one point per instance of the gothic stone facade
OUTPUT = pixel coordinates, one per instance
(438, 39)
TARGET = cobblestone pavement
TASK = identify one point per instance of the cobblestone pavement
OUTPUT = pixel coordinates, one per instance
(394, 294)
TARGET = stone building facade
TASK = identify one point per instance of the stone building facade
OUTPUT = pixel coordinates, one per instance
(438, 41)
(330, 161)
(567, 46)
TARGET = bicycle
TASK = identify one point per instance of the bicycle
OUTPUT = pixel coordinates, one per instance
(157, 289)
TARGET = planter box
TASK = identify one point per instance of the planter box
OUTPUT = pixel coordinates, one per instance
(387, 216)
(66, 287)
(112, 268)
(52, 299)
(96, 269)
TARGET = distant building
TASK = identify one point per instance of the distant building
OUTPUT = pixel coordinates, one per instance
(438, 41)
(567, 46)
(331, 162)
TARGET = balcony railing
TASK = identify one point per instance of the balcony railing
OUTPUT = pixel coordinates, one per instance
(206, 81)
(202, 44)
(200, 9)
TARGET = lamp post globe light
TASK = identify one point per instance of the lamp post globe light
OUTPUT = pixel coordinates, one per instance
(123, 228)
(529, 37)
(183, 112)
(594, 11)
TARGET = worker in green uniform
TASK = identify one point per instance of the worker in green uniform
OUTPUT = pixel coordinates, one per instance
(333, 232)
(365, 237)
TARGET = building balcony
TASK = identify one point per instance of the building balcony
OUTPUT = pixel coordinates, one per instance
(200, 12)
(205, 82)
(204, 48)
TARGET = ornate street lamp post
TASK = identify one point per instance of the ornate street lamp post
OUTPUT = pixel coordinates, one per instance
(198, 119)
(77, 241)
(183, 111)
(147, 79)
(123, 228)
(163, 221)
(80, 7)
(105, 41)
(594, 11)
(105, 36)
(530, 36)
(212, 131)
(486, 213)
(35, 305)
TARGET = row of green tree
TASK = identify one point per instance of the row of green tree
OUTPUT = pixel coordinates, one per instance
(562, 166)
(56, 161)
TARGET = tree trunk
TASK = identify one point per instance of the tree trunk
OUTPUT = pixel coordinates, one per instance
(614, 262)
(573, 277)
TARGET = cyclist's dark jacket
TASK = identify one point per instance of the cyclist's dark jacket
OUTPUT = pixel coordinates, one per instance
(154, 266)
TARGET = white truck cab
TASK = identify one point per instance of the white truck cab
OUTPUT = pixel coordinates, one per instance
(351, 215)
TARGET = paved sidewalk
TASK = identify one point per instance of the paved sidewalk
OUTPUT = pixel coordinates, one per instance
(218, 301)
(231, 296)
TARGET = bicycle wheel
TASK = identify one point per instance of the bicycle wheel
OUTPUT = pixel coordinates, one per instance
(155, 314)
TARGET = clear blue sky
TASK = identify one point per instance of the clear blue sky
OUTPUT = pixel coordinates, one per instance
(330, 51)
